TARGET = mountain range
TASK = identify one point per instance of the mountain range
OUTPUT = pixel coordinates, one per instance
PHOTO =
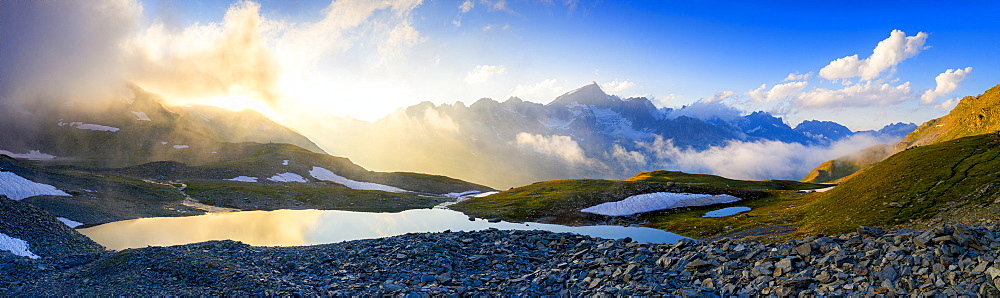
(585, 133)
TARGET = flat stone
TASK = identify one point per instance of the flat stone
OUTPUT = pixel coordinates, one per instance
(804, 250)
(697, 264)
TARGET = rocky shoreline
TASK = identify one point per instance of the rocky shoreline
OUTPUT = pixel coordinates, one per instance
(951, 260)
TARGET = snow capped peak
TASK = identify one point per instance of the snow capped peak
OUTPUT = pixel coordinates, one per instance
(590, 94)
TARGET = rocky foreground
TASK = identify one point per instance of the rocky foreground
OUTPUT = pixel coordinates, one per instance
(951, 260)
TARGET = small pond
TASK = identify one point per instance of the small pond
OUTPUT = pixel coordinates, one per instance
(726, 211)
(309, 227)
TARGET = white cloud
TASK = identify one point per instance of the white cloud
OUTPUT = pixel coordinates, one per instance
(948, 104)
(666, 100)
(562, 147)
(466, 6)
(779, 91)
(489, 27)
(617, 86)
(624, 156)
(247, 54)
(797, 77)
(946, 83)
(754, 160)
(858, 95)
(719, 96)
(543, 91)
(886, 55)
(483, 73)
(500, 5)
(571, 4)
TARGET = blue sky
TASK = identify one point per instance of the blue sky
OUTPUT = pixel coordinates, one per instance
(309, 60)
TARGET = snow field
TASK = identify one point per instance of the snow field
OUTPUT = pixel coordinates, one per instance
(69, 222)
(16, 246)
(287, 177)
(657, 201)
(327, 175)
(243, 179)
(17, 188)
(31, 155)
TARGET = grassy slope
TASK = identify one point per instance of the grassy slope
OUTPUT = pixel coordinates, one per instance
(560, 201)
(974, 115)
(259, 196)
(720, 182)
(958, 177)
(266, 159)
(833, 171)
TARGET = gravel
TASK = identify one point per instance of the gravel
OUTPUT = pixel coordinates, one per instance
(949, 260)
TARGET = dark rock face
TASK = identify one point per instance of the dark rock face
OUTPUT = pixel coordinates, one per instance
(47, 236)
(58, 246)
(950, 261)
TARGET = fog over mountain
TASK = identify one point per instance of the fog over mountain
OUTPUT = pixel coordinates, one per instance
(587, 133)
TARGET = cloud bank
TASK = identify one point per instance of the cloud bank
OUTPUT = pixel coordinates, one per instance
(753, 160)
(60, 50)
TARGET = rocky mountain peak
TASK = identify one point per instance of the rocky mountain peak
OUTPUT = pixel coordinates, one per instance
(591, 94)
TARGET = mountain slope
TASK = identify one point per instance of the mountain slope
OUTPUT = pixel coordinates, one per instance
(135, 128)
(974, 115)
(953, 180)
(248, 176)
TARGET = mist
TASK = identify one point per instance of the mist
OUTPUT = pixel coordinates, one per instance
(58, 52)
(755, 160)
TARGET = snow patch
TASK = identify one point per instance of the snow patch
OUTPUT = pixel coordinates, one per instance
(557, 124)
(486, 194)
(657, 201)
(181, 146)
(284, 163)
(97, 127)
(31, 155)
(16, 246)
(164, 143)
(825, 189)
(287, 177)
(243, 179)
(69, 222)
(17, 188)
(327, 175)
(461, 194)
(141, 116)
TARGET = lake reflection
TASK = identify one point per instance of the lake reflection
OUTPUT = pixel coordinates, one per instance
(308, 227)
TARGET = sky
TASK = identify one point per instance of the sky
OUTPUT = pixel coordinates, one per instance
(864, 64)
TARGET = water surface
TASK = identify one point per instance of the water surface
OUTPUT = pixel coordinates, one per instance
(309, 227)
(726, 211)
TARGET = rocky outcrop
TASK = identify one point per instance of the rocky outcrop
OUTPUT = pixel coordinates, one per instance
(950, 260)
